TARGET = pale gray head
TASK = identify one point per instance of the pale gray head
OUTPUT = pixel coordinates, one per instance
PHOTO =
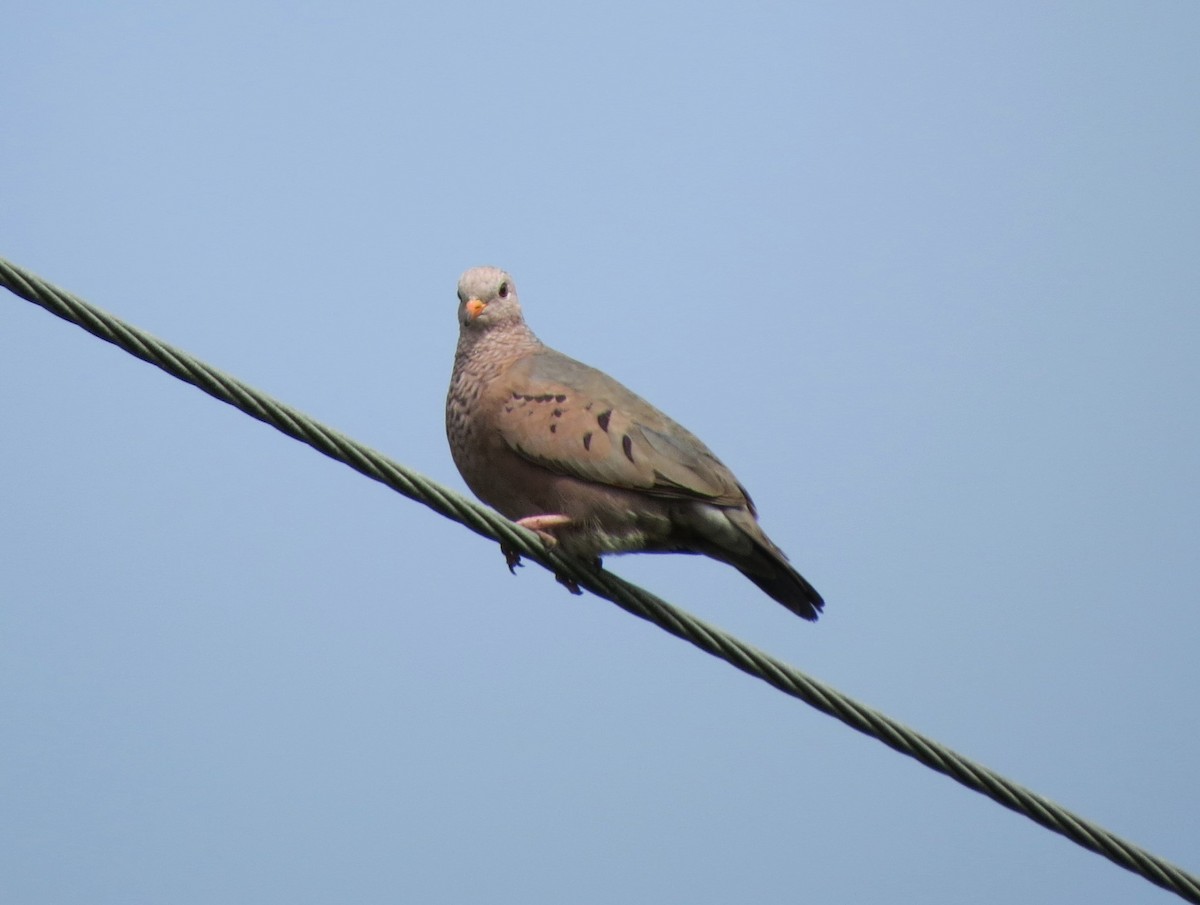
(487, 298)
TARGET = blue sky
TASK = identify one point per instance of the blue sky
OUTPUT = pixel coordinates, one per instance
(924, 276)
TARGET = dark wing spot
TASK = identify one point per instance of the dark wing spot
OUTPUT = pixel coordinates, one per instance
(627, 445)
(587, 440)
(602, 419)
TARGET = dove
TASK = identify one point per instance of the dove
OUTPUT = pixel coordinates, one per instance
(565, 450)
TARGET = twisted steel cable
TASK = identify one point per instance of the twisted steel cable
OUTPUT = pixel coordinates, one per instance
(629, 597)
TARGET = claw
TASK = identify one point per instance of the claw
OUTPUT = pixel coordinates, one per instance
(570, 584)
(511, 558)
(542, 526)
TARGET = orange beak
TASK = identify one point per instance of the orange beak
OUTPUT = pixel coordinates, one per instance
(475, 308)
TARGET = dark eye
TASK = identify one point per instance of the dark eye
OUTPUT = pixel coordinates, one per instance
(503, 290)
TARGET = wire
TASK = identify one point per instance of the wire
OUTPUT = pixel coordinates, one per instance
(629, 597)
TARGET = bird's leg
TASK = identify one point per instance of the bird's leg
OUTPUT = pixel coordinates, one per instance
(542, 524)
(538, 524)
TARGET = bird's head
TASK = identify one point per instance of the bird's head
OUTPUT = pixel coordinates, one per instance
(487, 297)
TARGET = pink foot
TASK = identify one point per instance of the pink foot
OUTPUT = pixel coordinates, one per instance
(542, 523)
(537, 524)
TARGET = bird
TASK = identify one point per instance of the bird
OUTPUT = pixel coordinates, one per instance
(565, 450)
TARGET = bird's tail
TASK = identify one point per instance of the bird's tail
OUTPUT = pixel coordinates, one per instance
(783, 583)
(733, 535)
(768, 567)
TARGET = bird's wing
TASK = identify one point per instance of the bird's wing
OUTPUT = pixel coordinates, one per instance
(572, 419)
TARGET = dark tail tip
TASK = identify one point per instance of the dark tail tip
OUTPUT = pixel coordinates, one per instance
(790, 588)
